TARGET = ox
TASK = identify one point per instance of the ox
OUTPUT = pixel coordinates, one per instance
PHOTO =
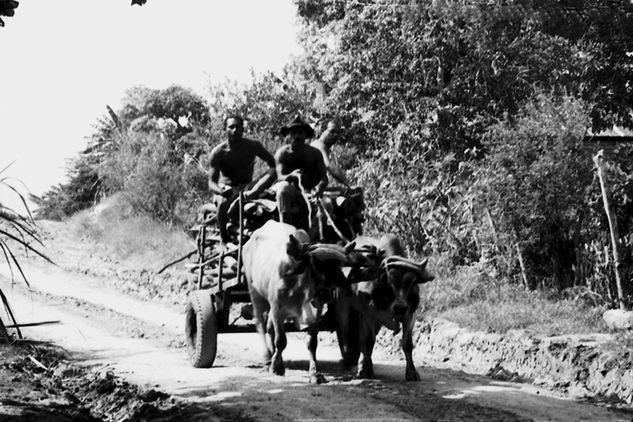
(290, 279)
(390, 298)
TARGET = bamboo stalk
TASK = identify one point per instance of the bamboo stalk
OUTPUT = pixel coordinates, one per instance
(613, 226)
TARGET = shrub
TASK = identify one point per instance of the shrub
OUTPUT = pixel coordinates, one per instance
(537, 184)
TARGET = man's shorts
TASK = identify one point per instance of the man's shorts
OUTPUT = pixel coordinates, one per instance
(218, 200)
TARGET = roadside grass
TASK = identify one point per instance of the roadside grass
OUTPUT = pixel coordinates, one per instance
(471, 298)
(129, 238)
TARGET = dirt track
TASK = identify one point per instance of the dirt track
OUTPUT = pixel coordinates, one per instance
(142, 342)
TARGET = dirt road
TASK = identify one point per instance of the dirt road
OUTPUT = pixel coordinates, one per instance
(143, 343)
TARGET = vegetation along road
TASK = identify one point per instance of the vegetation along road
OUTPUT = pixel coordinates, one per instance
(141, 341)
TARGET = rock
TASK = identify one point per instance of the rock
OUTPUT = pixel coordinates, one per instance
(618, 319)
(64, 370)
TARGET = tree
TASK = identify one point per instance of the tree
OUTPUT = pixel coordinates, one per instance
(536, 184)
(457, 68)
(7, 8)
(173, 120)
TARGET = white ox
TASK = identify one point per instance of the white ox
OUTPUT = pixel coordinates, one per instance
(290, 279)
(389, 298)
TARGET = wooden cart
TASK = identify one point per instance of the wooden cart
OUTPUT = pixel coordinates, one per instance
(220, 283)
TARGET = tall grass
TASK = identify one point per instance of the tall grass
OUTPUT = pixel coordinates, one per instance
(113, 228)
(477, 298)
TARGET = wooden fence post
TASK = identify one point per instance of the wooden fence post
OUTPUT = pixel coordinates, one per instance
(598, 159)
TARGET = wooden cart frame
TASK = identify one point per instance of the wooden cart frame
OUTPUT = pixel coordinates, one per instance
(209, 305)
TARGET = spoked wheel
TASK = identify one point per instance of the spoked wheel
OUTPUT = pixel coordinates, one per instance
(201, 329)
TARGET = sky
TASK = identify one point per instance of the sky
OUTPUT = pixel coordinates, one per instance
(63, 61)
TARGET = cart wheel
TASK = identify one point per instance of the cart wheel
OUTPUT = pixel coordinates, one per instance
(201, 329)
(352, 341)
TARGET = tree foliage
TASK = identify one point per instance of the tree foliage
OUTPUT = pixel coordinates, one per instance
(456, 67)
(471, 115)
(537, 184)
(145, 144)
(464, 122)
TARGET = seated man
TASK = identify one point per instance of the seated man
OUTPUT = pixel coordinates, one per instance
(344, 203)
(232, 165)
(326, 141)
(301, 171)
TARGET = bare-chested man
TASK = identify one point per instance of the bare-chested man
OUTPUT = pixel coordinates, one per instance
(299, 165)
(324, 144)
(232, 166)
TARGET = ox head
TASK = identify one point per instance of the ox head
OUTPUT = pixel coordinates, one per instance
(398, 284)
(320, 265)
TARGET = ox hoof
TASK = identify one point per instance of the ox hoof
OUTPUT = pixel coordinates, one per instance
(412, 375)
(318, 378)
(278, 370)
(366, 373)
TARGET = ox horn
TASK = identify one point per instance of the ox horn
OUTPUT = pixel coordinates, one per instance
(408, 264)
(397, 259)
(326, 251)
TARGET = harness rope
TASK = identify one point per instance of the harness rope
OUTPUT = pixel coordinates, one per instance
(323, 209)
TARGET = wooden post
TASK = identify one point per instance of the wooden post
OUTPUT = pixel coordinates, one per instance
(240, 238)
(202, 240)
(522, 265)
(598, 159)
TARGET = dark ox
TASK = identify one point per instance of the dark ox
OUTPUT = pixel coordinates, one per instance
(288, 278)
(388, 297)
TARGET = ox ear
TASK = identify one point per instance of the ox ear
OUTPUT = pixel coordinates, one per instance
(424, 275)
(295, 249)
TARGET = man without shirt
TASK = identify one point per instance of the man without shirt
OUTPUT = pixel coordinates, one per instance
(299, 167)
(232, 165)
(324, 144)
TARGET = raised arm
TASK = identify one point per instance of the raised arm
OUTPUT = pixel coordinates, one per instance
(321, 171)
(334, 170)
(266, 156)
(267, 179)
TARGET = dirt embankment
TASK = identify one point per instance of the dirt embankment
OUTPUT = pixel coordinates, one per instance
(579, 366)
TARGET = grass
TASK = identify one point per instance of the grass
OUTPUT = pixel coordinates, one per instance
(472, 298)
(123, 236)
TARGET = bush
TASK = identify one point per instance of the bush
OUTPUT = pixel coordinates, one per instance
(151, 182)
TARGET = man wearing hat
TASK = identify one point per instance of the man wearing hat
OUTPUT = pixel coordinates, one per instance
(301, 172)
